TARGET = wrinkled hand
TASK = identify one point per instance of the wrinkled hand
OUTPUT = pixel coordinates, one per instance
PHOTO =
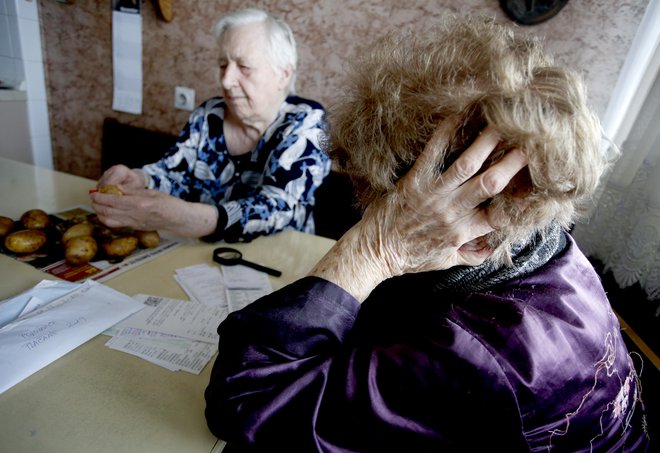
(434, 222)
(124, 177)
(144, 209)
(429, 222)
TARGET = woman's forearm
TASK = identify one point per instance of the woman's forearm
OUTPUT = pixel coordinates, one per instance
(190, 219)
(351, 265)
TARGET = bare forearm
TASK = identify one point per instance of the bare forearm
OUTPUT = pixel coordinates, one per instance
(352, 266)
(192, 220)
(152, 210)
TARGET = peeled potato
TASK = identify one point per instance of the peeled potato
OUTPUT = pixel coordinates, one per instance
(79, 229)
(111, 189)
(25, 241)
(120, 247)
(148, 239)
(35, 219)
(6, 224)
(80, 250)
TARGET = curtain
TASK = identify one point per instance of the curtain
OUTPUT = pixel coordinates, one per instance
(623, 228)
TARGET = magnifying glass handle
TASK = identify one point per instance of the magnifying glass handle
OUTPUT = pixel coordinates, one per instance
(261, 268)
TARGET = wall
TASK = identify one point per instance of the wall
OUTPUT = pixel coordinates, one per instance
(592, 36)
(26, 135)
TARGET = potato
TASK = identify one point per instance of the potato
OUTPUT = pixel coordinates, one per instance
(25, 241)
(79, 229)
(6, 224)
(80, 250)
(35, 219)
(111, 189)
(120, 247)
(148, 239)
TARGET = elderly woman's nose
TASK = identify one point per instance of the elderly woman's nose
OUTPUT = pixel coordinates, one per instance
(228, 75)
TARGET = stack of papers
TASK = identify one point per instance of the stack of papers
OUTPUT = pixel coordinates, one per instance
(42, 324)
(232, 287)
(182, 335)
(174, 334)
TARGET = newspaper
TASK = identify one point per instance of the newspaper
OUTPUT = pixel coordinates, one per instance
(50, 258)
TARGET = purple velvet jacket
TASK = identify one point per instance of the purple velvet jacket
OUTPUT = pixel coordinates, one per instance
(534, 364)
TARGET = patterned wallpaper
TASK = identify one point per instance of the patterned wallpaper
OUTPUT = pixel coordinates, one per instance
(592, 36)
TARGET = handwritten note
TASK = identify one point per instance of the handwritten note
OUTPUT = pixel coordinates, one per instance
(46, 333)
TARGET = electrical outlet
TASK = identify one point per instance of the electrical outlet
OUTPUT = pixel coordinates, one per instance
(184, 98)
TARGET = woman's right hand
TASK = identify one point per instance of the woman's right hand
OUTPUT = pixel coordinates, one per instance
(429, 222)
(123, 177)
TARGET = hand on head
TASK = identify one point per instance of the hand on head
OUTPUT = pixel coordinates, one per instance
(430, 221)
(436, 221)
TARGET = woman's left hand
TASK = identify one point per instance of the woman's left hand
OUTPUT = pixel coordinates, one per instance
(153, 210)
(430, 222)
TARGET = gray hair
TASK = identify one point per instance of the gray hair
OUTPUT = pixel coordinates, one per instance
(282, 49)
(406, 82)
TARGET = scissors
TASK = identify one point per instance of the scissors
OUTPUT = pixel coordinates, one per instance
(230, 257)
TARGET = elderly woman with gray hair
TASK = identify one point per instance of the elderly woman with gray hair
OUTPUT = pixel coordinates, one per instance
(247, 163)
(458, 314)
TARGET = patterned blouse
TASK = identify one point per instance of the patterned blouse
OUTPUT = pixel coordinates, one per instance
(261, 192)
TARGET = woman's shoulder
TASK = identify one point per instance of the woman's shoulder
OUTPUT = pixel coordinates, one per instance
(297, 102)
(216, 102)
(211, 106)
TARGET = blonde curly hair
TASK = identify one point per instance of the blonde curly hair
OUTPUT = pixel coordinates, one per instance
(405, 83)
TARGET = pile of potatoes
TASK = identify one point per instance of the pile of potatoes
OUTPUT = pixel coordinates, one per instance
(80, 240)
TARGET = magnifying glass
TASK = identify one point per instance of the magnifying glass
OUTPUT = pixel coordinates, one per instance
(230, 257)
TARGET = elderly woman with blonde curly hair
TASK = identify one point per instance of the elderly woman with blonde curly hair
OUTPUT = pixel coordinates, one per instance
(458, 314)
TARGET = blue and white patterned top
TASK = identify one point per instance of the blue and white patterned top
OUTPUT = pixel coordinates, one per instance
(264, 191)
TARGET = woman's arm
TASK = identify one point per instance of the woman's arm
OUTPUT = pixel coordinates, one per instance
(153, 210)
(293, 371)
(170, 180)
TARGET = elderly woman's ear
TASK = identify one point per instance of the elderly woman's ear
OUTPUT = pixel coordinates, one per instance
(285, 77)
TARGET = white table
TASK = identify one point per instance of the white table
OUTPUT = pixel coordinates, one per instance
(95, 399)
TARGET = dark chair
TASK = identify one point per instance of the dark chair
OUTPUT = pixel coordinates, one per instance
(132, 146)
(334, 211)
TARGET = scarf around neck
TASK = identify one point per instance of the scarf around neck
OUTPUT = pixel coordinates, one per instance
(526, 257)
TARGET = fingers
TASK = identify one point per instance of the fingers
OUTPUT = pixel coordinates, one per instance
(472, 159)
(474, 252)
(498, 176)
(494, 179)
(428, 161)
(116, 210)
(117, 174)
